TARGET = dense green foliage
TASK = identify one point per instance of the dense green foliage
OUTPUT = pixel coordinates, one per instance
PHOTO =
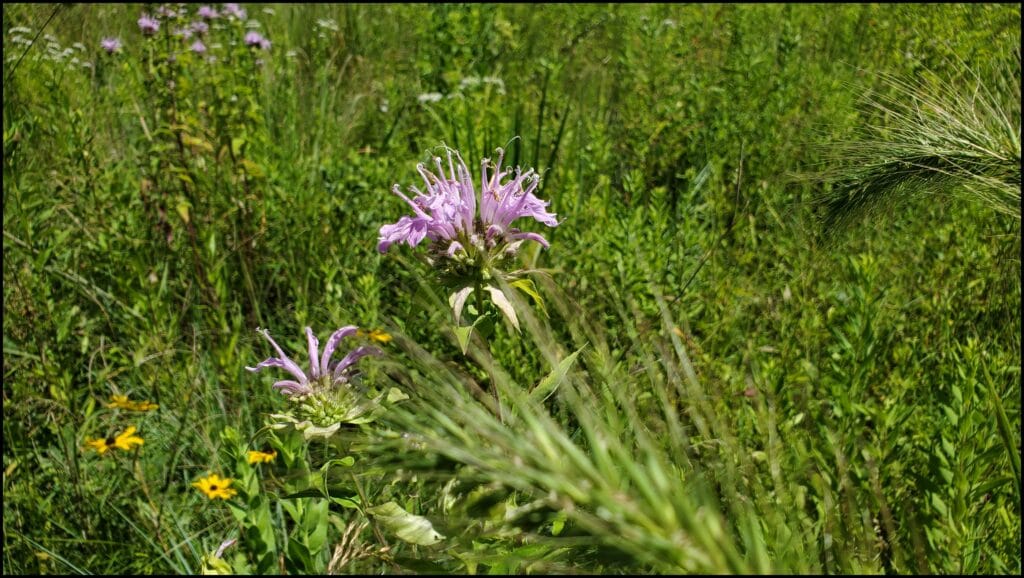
(756, 389)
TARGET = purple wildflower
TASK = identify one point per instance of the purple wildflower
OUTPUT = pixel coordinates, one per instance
(166, 12)
(200, 27)
(198, 47)
(111, 45)
(234, 11)
(322, 373)
(207, 13)
(255, 39)
(447, 213)
(148, 25)
(184, 33)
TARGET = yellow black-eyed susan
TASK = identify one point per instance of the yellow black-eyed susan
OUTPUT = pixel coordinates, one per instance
(126, 440)
(215, 486)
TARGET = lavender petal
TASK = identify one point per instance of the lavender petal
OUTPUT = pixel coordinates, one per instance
(332, 343)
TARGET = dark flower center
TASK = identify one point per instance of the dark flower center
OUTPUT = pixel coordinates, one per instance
(213, 487)
(110, 441)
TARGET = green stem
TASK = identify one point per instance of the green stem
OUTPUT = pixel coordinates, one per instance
(1005, 433)
(479, 291)
(373, 521)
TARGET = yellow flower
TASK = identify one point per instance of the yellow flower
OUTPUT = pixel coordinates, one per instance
(215, 486)
(119, 402)
(376, 335)
(124, 441)
(257, 457)
(122, 402)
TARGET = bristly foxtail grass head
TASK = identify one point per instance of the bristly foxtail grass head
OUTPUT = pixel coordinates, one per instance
(632, 457)
(944, 138)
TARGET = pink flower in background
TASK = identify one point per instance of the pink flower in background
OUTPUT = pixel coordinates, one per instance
(254, 39)
(148, 25)
(207, 13)
(111, 45)
(234, 11)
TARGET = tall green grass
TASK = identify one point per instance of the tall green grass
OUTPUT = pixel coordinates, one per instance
(938, 138)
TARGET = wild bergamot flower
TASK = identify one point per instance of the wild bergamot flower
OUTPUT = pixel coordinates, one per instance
(258, 457)
(215, 486)
(148, 25)
(324, 398)
(254, 39)
(469, 249)
(447, 213)
(111, 45)
(125, 441)
(207, 13)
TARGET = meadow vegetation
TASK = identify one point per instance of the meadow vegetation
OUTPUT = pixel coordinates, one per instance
(777, 328)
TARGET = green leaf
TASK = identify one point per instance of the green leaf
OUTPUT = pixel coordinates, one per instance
(958, 395)
(558, 524)
(314, 523)
(396, 395)
(947, 474)
(182, 209)
(213, 566)
(253, 169)
(527, 286)
(947, 447)
(195, 142)
(457, 301)
(409, 527)
(462, 334)
(350, 503)
(549, 384)
(502, 302)
(236, 145)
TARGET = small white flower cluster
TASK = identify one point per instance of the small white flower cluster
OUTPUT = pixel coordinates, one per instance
(429, 97)
(474, 81)
(54, 51)
(328, 23)
(467, 83)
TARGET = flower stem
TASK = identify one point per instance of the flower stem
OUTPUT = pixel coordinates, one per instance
(479, 291)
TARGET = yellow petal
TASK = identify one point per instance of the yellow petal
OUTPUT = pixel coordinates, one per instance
(256, 457)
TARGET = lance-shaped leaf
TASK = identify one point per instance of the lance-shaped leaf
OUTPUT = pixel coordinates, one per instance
(550, 383)
(501, 302)
(527, 286)
(457, 301)
(409, 527)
